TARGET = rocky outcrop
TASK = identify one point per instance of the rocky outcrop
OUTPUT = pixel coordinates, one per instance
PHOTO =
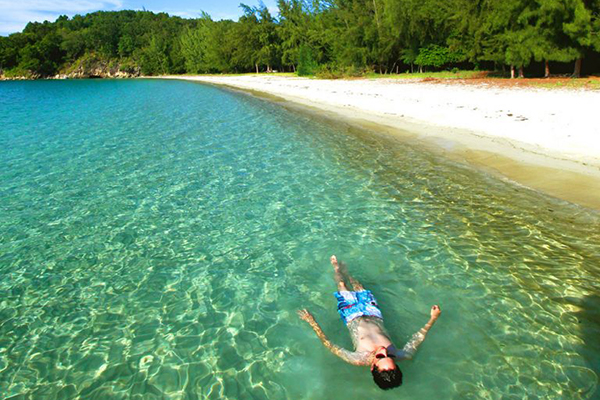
(90, 68)
(4, 77)
(85, 68)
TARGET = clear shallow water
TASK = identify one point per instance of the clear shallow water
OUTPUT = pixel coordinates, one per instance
(157, 237)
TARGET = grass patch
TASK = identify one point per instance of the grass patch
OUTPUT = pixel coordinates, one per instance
(282, 74)
(592, 83)
(434, 75)
(461, 77)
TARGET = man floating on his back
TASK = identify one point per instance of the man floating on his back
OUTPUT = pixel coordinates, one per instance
(372, 344)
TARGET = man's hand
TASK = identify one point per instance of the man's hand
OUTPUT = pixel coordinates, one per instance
(435, 312)
(305, 315)
(348, 356)
(411, 347)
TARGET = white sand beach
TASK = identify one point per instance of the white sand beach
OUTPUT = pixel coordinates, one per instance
(544, 139)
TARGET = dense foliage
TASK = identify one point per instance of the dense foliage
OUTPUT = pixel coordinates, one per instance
(322, 35)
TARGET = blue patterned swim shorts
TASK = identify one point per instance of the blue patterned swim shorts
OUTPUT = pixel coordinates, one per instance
(352, 305)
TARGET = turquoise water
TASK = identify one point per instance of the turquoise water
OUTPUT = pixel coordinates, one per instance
(156, 238)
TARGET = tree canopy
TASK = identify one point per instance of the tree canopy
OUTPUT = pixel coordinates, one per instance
(378, 35)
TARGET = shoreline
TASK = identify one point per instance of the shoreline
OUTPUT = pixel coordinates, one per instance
(541, 139)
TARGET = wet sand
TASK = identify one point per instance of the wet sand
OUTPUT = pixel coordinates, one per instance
(544, 139)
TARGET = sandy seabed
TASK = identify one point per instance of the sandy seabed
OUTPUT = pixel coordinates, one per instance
(545, 139)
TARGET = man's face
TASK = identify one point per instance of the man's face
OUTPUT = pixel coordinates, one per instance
(383, 360)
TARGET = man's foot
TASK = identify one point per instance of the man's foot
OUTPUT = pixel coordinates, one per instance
(334, 262)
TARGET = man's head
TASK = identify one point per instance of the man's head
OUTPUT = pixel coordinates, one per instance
(386, 373)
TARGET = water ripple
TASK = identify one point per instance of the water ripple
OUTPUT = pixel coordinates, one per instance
(155, 244)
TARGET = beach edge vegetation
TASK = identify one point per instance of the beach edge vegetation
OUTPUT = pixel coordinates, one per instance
(326, 38)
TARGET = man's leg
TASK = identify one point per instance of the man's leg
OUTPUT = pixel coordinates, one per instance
(356, 285)
(337, 275)
(341, 274)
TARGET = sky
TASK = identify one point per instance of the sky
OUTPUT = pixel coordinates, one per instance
(15, 14)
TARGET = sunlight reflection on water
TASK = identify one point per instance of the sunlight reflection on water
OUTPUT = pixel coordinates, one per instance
(157, 242)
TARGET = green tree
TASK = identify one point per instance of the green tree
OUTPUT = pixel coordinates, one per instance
(220, 48)
(194, 41)
(9, 50)
(306, 62)
(154, 59)
(419, 23)
(245, 40)
(269, 46)
(340, 34)
(436, 56)
(42, 57)
(292, 30)
(582, 28)
(103, 34)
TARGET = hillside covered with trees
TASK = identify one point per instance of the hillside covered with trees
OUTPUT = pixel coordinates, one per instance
(319, 36)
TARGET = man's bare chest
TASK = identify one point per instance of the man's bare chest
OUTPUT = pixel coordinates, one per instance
(368, 334)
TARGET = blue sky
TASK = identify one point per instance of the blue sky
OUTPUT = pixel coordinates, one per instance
(15, 14)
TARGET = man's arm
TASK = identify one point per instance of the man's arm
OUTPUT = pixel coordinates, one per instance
(409, 350)
(350, 357)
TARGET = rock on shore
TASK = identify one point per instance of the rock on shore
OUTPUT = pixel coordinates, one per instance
(86, 68)
(99, 69)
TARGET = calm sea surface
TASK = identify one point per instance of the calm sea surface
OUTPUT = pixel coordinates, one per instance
(156, 238)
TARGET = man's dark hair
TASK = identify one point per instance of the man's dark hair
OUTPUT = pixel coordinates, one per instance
(387, 379)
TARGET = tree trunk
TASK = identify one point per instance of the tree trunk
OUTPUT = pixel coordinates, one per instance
(546, 69)
(420, 69)
(397, 68)
(294, 68)
(521, 74)
(577, 70)
(512, 72)
(256, 65)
